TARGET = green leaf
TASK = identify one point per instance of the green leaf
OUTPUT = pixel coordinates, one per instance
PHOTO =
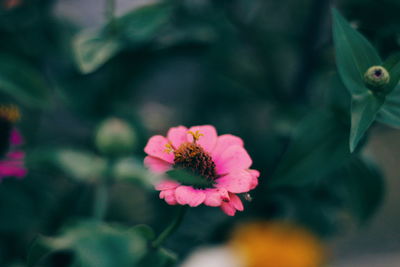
(158, 258)
(37, 251)
(93, 48)
(130, 169)
(99, 245)
(144, 231)
(318, 147)
(354, 54)
(394, 72)
(143, 24)
(364, 187)
(364, 109)
(80, 165)
(22, 81)
(187, 178)
(390, 111)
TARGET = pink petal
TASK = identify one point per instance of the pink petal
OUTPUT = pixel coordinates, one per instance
(177, 136)
(228, 209)
(190, 196)
(16, 138)
(156, 165)
(166, 185)
(156, 147)
(209, 138)
(225, 141)
(236, 181)
(236, 202)
(215, 196)
(254, 182)
(16, 155)
(234, 158)
(168, 196)
(12, 168)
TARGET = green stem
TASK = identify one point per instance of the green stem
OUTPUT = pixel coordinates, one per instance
(170, 228)
(101, 201)
(101, 196)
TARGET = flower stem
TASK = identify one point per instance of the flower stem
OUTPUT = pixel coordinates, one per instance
(171, 228)
(101, 196)
(101, 201)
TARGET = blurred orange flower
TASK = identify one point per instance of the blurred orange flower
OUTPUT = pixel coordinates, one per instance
(274, 244)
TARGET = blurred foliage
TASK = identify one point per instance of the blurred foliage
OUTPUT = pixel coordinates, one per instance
(262, 70)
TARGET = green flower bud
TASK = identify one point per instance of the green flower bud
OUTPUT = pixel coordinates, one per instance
(376, 77)
(115, 137)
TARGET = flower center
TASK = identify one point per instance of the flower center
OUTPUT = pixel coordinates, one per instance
(192, 157)
(9, 113)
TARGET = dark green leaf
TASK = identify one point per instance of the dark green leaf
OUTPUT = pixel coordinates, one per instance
(365, 188)
(364, 109)
(390, 111)
(22, 81)
(93, 48)
(37, 251)
(142, 24)
(187, 178)
(354, 54)
(394, 72)
(391, 61)
(80, 165)
(158, 258)
(98, 245)
(144, 231)
(318, 147)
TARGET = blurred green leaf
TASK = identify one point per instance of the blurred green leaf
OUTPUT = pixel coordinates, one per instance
(94, 48)
(354, 54)
(81, 165)
(364, 109)
(390, 111)
(317, 148)
(16, 208)
(187, 178)
(142, 24)
(365, 188)
(22, 81)
(158, 258)
(37, 251)
(131, 170)
(95, 244)
(144, 231)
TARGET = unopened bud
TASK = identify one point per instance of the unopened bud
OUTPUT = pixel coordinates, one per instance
(115, 137)
(377, 77)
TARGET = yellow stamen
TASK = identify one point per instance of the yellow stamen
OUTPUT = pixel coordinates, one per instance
(168, 148)
(10, 113)
(196, 135)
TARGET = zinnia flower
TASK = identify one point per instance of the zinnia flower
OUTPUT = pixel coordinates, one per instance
(220, 160)
(276, 244)
(12, 163)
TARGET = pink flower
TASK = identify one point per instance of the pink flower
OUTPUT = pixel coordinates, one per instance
(221, 160)
(13, 163)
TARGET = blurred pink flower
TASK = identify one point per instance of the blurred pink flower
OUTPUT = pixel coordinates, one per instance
(13, 163)
(221, 160)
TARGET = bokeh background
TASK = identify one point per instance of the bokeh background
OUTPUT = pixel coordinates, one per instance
(254, 69)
